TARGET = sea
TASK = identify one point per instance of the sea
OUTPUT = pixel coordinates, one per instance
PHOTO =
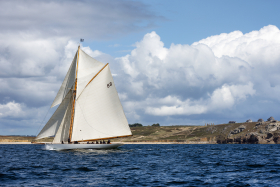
(142, 165)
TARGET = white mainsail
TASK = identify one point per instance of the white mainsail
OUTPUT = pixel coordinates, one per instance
(96, 109)
(54, 122)
(99, 113)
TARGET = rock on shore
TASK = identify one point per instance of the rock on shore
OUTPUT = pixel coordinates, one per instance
(263, 133)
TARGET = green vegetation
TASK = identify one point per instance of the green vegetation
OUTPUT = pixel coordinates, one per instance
(157, 133)
(156, 125)
(135, 125)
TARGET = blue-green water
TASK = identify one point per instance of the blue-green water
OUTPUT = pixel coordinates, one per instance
(142, 165)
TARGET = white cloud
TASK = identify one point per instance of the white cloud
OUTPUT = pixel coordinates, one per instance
(227, 96)
(256, 47)
(11, 109)
(222, 98)
(179, 107)
(216, 75)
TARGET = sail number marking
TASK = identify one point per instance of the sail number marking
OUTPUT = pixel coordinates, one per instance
(109, 84)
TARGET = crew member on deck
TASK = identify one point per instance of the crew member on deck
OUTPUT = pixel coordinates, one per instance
(97, 142)
(108, 142)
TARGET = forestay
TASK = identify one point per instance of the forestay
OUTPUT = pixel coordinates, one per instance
(98, 112)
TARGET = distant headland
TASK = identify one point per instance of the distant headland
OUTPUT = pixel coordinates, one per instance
(249, 132)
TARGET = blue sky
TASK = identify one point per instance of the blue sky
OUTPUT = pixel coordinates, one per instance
(185, 22)
(174, 62)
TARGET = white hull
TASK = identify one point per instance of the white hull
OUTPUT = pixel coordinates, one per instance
(81, 146)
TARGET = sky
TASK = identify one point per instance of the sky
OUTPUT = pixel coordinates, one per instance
(173, 62)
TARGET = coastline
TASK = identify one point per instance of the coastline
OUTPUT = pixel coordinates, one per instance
(164, 142)
(123, 142)
(15, 142)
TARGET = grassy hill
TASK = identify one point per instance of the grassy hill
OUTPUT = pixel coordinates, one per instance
(194, 134)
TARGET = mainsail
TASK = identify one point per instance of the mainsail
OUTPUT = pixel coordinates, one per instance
(91, 103)
(99, 113)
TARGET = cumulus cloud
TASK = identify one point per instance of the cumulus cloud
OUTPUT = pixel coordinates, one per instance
(222, 98)
(227, 73)
(11, 109)
(256, 47)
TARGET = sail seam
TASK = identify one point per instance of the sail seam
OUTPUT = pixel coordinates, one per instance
(91, 80)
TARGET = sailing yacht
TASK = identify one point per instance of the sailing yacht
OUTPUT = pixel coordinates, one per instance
(89, 108)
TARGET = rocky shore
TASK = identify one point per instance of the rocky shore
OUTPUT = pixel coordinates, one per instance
(262, 133)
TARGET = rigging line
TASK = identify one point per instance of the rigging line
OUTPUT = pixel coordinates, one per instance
(88, 123)
(42, 122)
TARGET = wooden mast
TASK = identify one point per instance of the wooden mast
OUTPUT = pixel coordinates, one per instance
(74, 99)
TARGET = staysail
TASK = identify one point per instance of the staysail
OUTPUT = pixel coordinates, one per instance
(50, 129)
(62, 133)
(68, 82)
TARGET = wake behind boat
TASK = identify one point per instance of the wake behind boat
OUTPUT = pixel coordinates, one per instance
(89, 108)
